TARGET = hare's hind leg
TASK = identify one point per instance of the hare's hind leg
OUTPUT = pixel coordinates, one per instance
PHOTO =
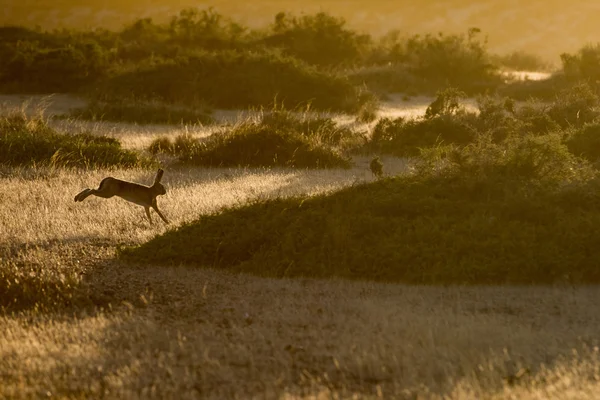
(88, 192)
(83, 195)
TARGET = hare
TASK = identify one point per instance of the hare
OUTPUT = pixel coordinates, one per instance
(139, 194)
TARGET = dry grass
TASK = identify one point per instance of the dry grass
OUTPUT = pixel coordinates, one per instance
(155, 332)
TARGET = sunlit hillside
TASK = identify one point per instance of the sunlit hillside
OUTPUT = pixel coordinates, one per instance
(547, 28)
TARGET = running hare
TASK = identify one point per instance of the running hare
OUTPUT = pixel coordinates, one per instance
(139, 194)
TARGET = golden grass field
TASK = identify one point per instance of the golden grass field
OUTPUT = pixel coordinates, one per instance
(148, 331)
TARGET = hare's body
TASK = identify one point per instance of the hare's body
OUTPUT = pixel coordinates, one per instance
(144, 196)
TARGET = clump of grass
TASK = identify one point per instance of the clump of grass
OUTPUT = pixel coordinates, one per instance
(486, 214)
(367, 113)
(255, 145)
(278, 137)
(311, 125)
(26, 141)
(141, 113)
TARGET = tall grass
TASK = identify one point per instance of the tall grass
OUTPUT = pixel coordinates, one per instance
(29, 141)
(277, 138)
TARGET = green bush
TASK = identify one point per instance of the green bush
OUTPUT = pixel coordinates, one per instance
(575, 106)
(53, 63)
(584, 65)
(232, 79)
(543, 160)
(585, 142)
(319, 39)
(141, 113)
(250, 144)
(445, 121)
(30, 141)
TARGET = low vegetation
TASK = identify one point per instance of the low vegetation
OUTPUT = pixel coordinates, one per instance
(203, 57)
(234, 79)
(29, 141)
(277, 138)
(448, 122)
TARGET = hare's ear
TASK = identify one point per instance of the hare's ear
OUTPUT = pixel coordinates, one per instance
(159, 175)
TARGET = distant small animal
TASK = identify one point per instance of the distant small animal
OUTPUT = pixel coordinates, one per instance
(376, 167)
(142, 195)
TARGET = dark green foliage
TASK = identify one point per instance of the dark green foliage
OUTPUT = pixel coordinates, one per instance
(255, 145)
(30, 141)
(453, 60)
(319, 39)
(427, 63)
(206, 29)
(232, 79)
(35, 62)
(141, 113)
(584, 65)
(585, 142)
(526, 160)
(203, 56)
(445, 122)
(575, 106)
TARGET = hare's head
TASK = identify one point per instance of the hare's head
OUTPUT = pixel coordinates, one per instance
(157, 186)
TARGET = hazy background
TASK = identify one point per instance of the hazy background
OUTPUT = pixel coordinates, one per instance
(543, 27)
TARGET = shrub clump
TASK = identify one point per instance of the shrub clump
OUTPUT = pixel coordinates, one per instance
(445, 121)
(30, 141)
(255, 145)
(278, 137)
(234, 79)
(320, 39)
(585, 142)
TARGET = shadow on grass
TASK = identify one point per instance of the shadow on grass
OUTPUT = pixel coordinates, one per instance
(427, 231)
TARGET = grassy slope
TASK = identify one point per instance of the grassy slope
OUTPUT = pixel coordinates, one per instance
(544, 27)
(400, 229)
